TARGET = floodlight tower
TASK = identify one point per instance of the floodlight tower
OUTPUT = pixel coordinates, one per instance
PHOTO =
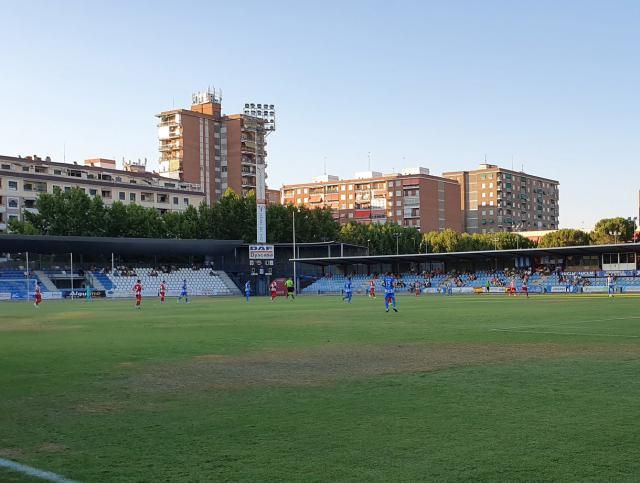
(267, 114)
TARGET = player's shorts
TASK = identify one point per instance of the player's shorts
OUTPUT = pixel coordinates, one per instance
(290, 289)
(183, 294)
(525, 289)
(138, 298)
(274, 293)
(38, 298)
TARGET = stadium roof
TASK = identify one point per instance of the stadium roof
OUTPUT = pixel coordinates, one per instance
(473, 255)
(121, 246)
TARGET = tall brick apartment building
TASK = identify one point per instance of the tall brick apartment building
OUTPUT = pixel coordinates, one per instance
(495, 199)
(216, 151)
(412, 198)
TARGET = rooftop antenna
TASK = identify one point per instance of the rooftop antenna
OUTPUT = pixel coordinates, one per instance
(325, 165)
(512, 162)
(485, 158)
(64, 152)
(369, 164)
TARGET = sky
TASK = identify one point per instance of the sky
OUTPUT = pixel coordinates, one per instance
(548, 86)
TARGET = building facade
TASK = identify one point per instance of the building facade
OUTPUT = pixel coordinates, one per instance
(494, 199)
(23, 179)
(202, 146)
(412, 198)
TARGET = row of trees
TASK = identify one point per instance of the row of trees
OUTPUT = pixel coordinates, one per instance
(606, 231)
(74, 213)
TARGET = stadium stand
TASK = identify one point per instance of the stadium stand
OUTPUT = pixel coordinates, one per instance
(199, 282)
(333, 284)
(13, 281)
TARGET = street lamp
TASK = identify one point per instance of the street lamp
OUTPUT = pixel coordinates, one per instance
(368, 243)
(397, 237)
(615, 234)
(295, 255)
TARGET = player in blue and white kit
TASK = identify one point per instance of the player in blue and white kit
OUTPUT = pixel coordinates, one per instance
(611, 285)
(388, 283)
(247, 290)
(347, 291)
(183, 292)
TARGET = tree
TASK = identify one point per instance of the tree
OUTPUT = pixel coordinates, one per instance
(21, 227)
(564, 238)
(624, 226)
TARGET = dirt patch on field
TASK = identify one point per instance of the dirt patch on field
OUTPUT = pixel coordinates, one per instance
(34, 326)
(11, 453)
(52, 448)
(99, 407)
(321, 366)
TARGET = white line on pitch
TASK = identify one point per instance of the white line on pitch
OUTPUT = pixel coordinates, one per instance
(563, 333)
(570, 322)
(35, 472)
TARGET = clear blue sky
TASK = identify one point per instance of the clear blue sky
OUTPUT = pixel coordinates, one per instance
(552, 85)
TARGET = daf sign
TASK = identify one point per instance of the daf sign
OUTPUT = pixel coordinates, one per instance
(261, 252)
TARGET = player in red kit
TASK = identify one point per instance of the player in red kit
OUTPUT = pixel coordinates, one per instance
(274, 290)
(372, 289)
(137, 288)
(163, 291)
(38, 295)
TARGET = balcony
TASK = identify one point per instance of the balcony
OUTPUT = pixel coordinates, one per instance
(169, 147)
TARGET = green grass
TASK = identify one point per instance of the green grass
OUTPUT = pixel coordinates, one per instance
(450, 388)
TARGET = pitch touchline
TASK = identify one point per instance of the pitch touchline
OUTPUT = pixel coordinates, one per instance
(35, 472)
(570, 322)
(563, 333)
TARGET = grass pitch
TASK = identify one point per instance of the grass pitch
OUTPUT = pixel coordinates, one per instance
(450, 388)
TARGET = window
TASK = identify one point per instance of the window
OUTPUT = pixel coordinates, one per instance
(118, 179)
(93, 192)
(122, 196)
(175, 200)
(28, 187)
(13, 185)
(398, 203)
(13, 203)
(398, 212)
(484, 195)
(6, 166)
(398, 193)
(57, 172)
(186, 201)
(25, 168)
(484, 185)
(132, 197)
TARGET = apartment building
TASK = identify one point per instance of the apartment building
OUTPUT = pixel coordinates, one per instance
(411, 198)
(216, 151)
(495, 199)
(23, 179)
